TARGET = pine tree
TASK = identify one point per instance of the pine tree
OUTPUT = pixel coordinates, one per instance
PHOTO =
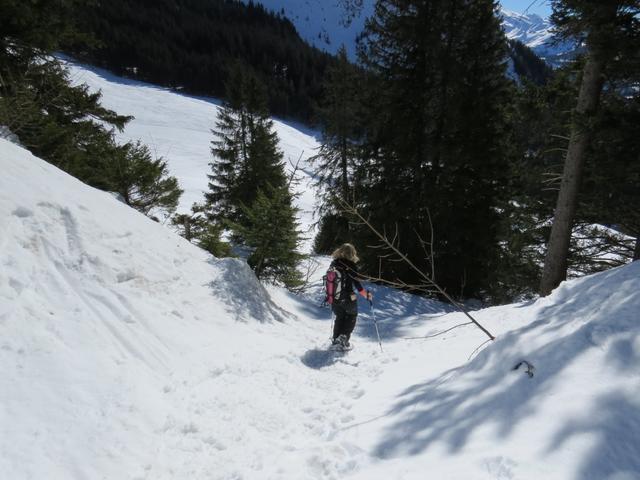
(527, 65)
(341, 127)
(438, 146)
(65, 124)
(604, 26)
(271, 232)
(245, 148)
(340, 116)
(201, 231)
(28, 29)
(611, 185)
(143, 182)
(249, 191)
(190, 44)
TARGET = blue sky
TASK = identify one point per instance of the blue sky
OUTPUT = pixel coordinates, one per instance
(541, 7)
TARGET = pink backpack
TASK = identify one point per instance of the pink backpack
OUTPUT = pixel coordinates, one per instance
(332, 285)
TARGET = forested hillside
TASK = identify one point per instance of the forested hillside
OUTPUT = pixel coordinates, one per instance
(527, 65)
(192, 45)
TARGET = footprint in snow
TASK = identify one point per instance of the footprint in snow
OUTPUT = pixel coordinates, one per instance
(356, 393)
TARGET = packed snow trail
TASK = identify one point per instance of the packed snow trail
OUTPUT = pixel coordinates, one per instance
(128, 353)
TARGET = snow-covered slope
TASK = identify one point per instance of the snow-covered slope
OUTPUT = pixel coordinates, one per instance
(128, 353)
(323, 24)
(110, 327)
(178, 128)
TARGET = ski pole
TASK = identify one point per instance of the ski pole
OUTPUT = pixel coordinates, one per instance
(375, 322)
(332, 321)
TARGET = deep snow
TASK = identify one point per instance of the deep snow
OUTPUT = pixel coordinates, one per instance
(128, 353)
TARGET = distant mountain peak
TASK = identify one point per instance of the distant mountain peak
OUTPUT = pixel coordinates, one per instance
(531, 29)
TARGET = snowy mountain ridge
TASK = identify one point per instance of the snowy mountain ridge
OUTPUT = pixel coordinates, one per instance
(129, 353)
(537, 34)
(531, 29)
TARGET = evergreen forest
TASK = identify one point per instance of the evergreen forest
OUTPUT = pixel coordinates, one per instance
(192, 45)
(451, 172)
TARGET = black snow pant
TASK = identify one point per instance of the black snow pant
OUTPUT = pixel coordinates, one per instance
(346, 314)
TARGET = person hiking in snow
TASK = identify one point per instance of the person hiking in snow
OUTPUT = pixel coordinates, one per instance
(345, 303)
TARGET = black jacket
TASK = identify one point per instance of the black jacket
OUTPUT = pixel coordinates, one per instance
(351, 277)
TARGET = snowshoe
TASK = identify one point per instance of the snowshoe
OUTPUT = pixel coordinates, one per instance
(340, 344)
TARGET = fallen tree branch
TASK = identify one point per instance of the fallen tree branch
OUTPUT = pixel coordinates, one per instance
(439, 333)
(354, 211)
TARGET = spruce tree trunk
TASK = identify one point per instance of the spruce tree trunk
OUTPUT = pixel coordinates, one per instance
(555, 263)
(636, 252)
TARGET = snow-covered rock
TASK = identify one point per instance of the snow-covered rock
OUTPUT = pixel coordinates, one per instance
(8, 135)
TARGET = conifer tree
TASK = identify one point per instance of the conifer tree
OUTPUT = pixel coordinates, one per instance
(190, 44)
(143, 182)
(611, 187)
(607, 28)
(249, 191)
(245, 149)
(29, 29)
(271, 232)
(340, 116)
(201, 231)
(341, 126)
(438, 146)
(65, 124)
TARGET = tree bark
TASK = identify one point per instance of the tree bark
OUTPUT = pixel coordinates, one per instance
(555, 263)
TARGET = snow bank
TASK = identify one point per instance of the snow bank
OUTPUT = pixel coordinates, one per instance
(102, 313)
(577, 417)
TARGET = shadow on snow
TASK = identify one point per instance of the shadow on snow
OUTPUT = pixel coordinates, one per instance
(318, 358)
(589, 316)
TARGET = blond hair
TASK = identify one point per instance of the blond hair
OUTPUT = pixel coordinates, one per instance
(346, 251)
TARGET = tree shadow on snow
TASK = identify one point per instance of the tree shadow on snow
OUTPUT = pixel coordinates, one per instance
(488, 393)
(615, 421)
(396, 313)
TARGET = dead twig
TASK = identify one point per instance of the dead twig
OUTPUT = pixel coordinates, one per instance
(354, 211)
(439, 333)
